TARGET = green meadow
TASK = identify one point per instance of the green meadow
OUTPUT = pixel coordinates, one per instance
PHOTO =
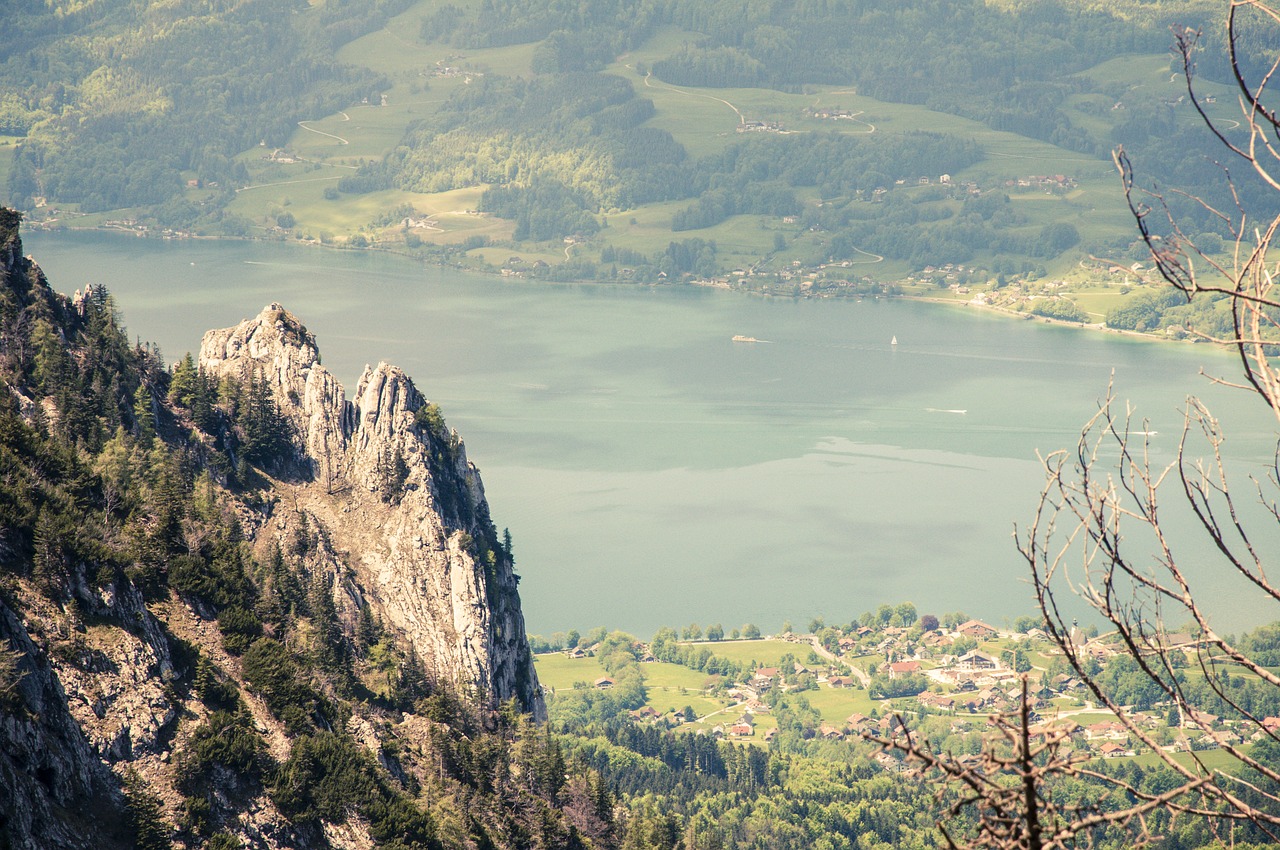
(835, 704)
(672, 687)
(705, 121)
(765, 653)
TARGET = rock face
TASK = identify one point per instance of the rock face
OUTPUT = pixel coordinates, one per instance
(110, 672)
(402, 513)
(54, 790)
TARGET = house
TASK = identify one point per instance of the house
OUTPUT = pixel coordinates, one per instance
(764, 676)
(858, 721)
(830, 732)
(646, 712)
(977, 630)
(1111, 750)
(840, 682)
(1200, 719)
(903, 668)
(770, 733)
(604, 683)
(1109, 731)
(928, 699)
(742, 730)
(891, 724)
(976, 660)
(889, 763)
(1208, 742)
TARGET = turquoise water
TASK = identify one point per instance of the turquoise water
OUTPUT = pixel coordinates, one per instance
(654, 472)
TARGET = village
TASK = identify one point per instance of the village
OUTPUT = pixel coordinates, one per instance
(865, 680)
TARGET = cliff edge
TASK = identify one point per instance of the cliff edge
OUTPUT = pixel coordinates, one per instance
(238, 608)
(402, 511)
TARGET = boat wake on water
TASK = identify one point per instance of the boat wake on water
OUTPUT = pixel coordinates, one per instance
(945, 410)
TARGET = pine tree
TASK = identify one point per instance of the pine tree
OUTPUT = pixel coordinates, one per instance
(144, 418)
(146, 817)
(331, 645)
(392, 473)
(183, 386)
(265, 432)
(368, 631)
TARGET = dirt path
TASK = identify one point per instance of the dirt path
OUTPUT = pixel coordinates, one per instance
(649, 84)
(853, 116)
(341, 141)
(722, 710)
(286, 183)
(861, 674)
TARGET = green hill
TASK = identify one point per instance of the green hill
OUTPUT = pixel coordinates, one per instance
(831, 147)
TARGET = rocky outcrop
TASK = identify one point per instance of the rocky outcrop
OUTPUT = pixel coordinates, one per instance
(402, 511)
(112, 666)
(54, 790)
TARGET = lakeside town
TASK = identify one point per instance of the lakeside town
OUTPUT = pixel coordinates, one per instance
(865, 679)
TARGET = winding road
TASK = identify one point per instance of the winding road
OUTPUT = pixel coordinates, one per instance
(341, 141)
(862, 675)
(853, 116)
(286, 183)
(649, 84)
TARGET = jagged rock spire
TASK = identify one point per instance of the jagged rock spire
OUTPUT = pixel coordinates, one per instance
(425, 557)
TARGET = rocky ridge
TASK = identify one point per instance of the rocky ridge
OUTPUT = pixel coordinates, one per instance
(402, 509)
(100, 699)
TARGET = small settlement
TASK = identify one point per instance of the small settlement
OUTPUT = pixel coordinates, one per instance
(866, 680)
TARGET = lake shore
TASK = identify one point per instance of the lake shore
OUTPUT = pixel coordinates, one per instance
(1100, 327)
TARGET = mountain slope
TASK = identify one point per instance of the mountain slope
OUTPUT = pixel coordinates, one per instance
(236, 607)
(402, 511)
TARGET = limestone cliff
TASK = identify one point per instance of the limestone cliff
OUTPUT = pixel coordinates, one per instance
(158, 685)
(401, 509)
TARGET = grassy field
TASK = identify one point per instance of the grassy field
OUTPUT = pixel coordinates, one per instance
(765, 652)
(557, 670)
(1212, 759)
(670, 687)
(835, 704)
(705, 121)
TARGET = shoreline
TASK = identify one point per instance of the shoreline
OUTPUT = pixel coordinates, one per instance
(1097, 327)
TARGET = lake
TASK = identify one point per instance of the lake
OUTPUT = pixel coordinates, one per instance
(652, 471)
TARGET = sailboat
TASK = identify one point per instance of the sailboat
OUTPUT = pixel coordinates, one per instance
(893, 341)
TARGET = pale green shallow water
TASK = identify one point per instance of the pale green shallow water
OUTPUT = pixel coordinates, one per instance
(652, 471)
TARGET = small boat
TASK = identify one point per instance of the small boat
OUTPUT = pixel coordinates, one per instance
(893, 341)
(741, 338)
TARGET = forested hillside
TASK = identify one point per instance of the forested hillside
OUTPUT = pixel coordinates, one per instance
(120, 97)
(820, 146)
